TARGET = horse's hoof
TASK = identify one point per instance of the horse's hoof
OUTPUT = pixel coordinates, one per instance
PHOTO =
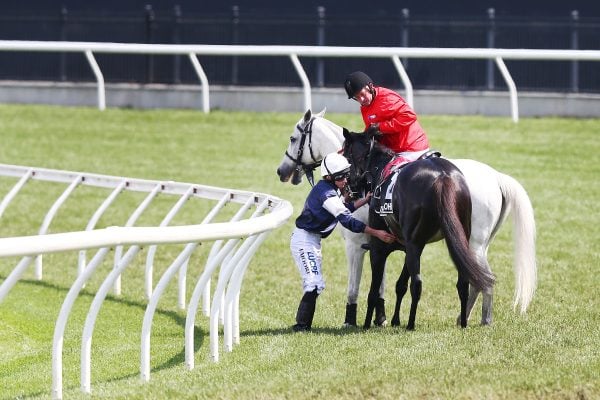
(380, 318)
(395, 322)
(350, 319)
(381, 324)
(301, 328)
(346, 325)
(410, 327)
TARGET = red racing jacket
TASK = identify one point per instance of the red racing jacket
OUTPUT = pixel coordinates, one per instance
(397, 121)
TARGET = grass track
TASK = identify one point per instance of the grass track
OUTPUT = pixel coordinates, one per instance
(552, 352)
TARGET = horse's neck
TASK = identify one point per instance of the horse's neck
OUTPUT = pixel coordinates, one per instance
(333, 136)
(380, 160)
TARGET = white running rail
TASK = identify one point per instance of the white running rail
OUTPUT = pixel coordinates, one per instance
(294, 52)
(235, 242)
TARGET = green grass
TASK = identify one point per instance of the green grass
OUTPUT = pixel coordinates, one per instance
(551, 352)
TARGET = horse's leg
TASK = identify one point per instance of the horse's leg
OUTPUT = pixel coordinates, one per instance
(473, 294)
(486, 306)
(413, 261)
(487, 294)
(462, 286)
(380, 318)
(481, 235)
(401, 289)
(356, 256)
(377, 257)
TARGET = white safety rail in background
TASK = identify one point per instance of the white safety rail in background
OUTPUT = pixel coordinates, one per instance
(234, 244)
(293, 52)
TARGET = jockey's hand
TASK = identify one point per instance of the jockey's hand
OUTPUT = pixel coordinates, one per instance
(373, 130)
(380, 234)
(347, 193)
(385, 236)
(361, 202)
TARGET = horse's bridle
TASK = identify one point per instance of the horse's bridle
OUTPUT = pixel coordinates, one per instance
(307, 168)
(366, 176)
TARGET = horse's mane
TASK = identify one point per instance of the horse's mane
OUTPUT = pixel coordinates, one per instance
(377, 146)
(331, 124)
(364, 139)
(383, 149)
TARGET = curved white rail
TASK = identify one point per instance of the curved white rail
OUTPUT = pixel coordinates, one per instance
(152, 249)
(243, 236)
(134, 216)
(96, 217)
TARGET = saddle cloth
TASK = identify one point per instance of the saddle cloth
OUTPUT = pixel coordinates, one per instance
(383, 204)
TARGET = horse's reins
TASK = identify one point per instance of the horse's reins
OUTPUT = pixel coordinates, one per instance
(366, 172)
(308, 168)
(389, 220)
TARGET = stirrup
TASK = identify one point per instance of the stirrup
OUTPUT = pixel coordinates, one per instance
(430, 154)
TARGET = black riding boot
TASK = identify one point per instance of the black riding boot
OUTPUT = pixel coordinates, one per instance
(306, 311)
(380, 318)
(350, 315)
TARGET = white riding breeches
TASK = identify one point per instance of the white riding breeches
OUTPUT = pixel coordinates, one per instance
(413, 155)
(306, 251)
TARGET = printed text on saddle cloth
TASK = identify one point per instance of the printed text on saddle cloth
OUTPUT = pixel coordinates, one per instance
(383, 204)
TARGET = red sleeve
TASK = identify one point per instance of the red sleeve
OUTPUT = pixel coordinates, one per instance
(394, 113)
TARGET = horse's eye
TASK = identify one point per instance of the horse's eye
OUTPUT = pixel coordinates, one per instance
(293, 139)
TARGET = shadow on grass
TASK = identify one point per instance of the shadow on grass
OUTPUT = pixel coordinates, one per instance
(177, 359)
(341, 331)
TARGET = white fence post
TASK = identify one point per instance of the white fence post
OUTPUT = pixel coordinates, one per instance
(405, 80)
(512, 89)
(13, 192)
(130, 221)
(96, 217)
(48, 219)
(203, 80)
(304, 80)
(152, 249)
(99, 79)
(61, 322)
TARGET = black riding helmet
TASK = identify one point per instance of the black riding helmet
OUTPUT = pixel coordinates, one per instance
(355, 82)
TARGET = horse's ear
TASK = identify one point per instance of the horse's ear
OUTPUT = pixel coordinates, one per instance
(307, 115)
(346, 133)
(321, 113)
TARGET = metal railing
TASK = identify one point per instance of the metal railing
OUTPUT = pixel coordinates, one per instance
(234, 244)
(394, 54)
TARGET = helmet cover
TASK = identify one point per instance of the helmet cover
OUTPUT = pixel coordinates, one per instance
(334, 164)
(355, 82)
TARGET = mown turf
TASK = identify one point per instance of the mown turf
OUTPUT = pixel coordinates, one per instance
(551, 352)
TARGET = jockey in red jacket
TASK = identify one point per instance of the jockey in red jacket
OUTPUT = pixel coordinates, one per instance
(387, 111)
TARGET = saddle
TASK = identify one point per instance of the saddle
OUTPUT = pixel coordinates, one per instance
(383, 204)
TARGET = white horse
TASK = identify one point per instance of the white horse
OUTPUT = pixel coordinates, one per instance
(493, 196)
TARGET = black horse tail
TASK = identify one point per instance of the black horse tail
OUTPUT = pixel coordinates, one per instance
(453, 204)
